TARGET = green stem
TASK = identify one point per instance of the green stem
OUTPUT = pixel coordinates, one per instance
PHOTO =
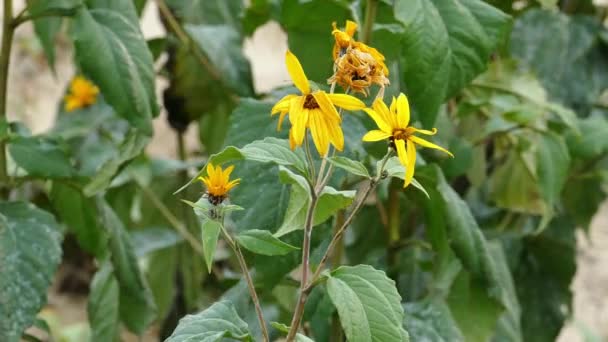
(5, 56)
(394, 225)
(370, 16)
(22, 17)
(245, 270)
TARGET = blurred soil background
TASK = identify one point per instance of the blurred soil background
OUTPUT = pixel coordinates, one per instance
(35, 92)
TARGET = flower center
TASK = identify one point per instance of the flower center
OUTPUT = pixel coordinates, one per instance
(310, 102)
(401, 134)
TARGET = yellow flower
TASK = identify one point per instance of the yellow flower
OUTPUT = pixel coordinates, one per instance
(82, 94)
(218, 183)
(344, 40)
(314, 110)
(393, 125)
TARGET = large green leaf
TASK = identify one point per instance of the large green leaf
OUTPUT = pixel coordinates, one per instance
(553, 163)
(263, 242)
(30, 251)
(446, 44)
(210, 230)
(592, 141)
(431, 320)
(208, 12)
(113, 53)
(368, 304)
(352, 166)
(217, 322)
(41, 157)
(103, 307)
(330, 201)
(137, 308)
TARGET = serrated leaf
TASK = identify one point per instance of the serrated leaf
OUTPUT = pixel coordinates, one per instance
(431, 320)
(330, 201)
(263, 242)
(41, 157)
(355, 167)
(446, 44)
(30, 245)
(368, 304)
(103, 306)
(210, 231)
(217, 322)
(111, 50)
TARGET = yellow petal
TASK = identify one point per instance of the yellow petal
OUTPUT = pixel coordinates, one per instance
(375, 135)
(325, 104)
(379, 120)
(351, 28)
(296, 106)
(320, 134)
(346, 101)
(299, 127)
(228, 171)
(297, 72)
(403, 111)
(282, 105)
(72, 103)
(380, 107)
(400, 145)
(425, 143)
(232, 184)
(336, 136)
(425, 131)
(411, 163)
(210, 169)
(292, 142)
(394, 106)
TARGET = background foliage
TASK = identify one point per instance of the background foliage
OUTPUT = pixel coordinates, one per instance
(518, 93)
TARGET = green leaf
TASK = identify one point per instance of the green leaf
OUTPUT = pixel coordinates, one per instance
(103, 307)
(431, 320)
(355, 167)
(285, 329)
(130, 148)
(137, 308)
(212, 128)
(368, 304)
(394, 168)
(222, 43)
(269, 150)
(592, 141)
(210, 231)
(41, 157)
(553, 162)
(113, 53)
(330, 201)
(79, 214)
(218, 321)
(263, 242)
(30, 241)
(446, 44)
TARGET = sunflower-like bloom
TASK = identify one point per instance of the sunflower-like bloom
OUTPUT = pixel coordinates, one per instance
(356, 65)
(218, 183)
(314, 110)
(82, 94)
(393, 126)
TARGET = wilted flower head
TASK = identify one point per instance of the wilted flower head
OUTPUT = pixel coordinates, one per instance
(83, 93)
(356, 65)
(393, 125)
(314, 110)
(218, 183)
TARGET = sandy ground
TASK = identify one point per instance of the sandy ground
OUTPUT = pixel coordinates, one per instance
(34, 93)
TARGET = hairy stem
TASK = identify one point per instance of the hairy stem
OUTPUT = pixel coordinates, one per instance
(5, 56)
(370, 16)
(245, 270)
(299, 311)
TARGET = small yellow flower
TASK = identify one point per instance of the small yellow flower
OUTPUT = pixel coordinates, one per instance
(314, 110)
(344, 40)
(218, 183)
(82, 94)
(393, 126)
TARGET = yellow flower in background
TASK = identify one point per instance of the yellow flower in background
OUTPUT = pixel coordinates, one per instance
(393, 124)
(356, 65)
(218, 183)
(314, 110)
(344, 40)
(83, 93)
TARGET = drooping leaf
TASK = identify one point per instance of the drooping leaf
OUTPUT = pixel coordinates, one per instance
(552, 169)
(217, 322)
(368, 304)
(352, 166)
(103, 307)
(446, 44)
(137, 308)
(112, 51)
(263, 242)
(431, 320)
(210, 230)
(30, 251)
